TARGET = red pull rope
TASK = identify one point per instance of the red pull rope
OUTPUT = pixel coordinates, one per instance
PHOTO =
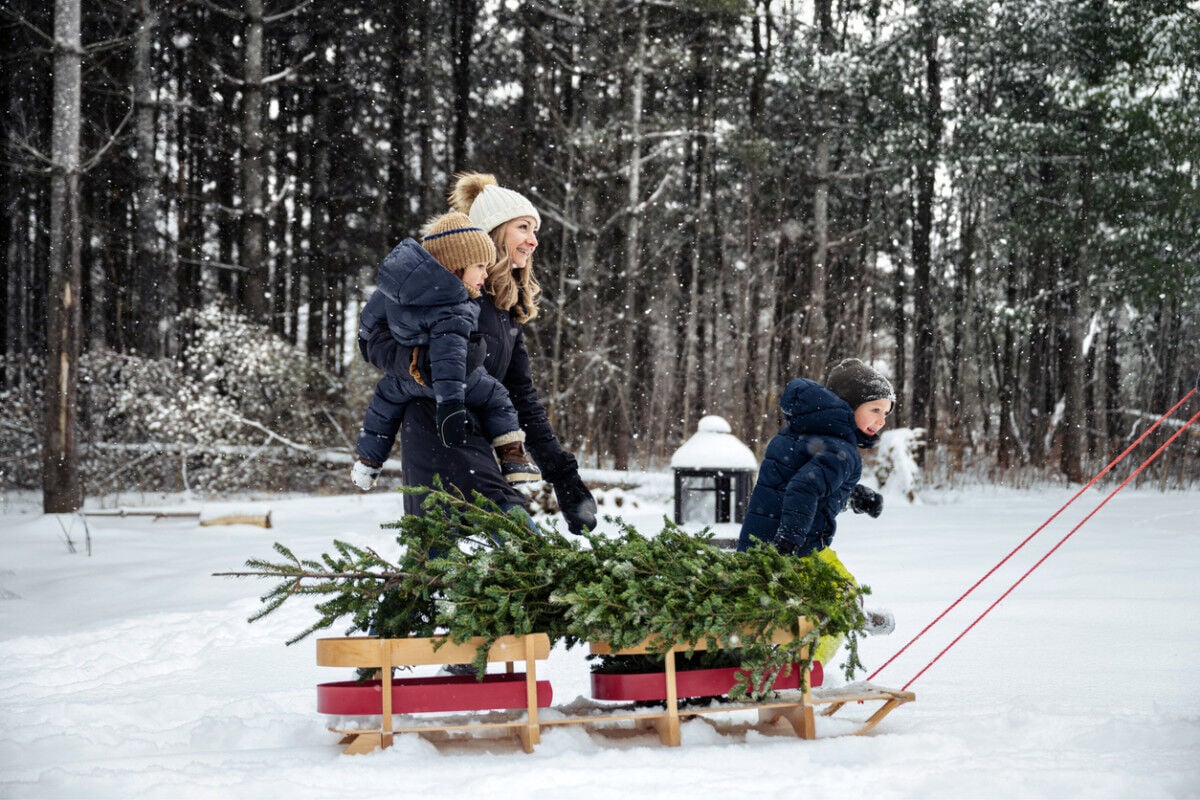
(1051, 551)
(1040, 528)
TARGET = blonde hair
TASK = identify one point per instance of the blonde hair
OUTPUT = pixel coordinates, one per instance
(512, 288)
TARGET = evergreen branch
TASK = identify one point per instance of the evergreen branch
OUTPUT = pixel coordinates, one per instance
(467, 570)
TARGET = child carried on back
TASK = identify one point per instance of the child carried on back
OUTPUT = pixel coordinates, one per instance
(426, 297)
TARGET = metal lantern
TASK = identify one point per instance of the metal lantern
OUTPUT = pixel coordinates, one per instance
(714, 473)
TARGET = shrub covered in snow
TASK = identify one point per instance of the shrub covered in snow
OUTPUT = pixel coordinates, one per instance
(238, 408)
(894, 466)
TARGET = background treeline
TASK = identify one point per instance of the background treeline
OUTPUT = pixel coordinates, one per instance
(997, 202)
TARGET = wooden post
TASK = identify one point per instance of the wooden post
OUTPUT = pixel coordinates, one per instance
(669, 732)
(385, 679)
(531, 734)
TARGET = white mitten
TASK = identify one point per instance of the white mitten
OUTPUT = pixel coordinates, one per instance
(363, 475)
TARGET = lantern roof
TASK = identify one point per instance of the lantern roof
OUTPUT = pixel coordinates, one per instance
(714, 446)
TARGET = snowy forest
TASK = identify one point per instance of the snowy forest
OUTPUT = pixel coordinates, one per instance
(997, 203)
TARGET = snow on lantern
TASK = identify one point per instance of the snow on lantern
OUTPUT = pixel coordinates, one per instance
(714, 472)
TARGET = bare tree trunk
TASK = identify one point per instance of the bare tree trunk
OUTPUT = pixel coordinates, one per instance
(957, 425)
(155, 286)
(10, 280)
(754, 348)
(463, 43)
(696, 390)
(321, 217)
(252, 249)
(900, 334)
(61, 490)
(1009, 452)
(925, 340)
(424, 24)
(1076, 363)
(633, 268)
(1074, 372)
(397, 215)
(816, 327)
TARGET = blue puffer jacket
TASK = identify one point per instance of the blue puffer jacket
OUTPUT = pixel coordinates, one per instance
(426, 305)
(807, 472)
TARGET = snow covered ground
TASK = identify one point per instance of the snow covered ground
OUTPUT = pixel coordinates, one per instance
(133, 673)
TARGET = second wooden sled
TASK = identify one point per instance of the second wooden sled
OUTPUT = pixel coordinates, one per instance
(795, 707)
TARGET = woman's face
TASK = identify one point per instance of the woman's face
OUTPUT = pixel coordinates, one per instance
(520, 239)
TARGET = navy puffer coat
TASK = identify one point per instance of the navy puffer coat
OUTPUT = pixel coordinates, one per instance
(472, 467)
(429, 307)
(808, 470)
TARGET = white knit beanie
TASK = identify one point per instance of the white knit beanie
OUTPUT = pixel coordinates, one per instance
(496, 205)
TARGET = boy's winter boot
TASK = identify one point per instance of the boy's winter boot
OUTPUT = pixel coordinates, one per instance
(515, 464)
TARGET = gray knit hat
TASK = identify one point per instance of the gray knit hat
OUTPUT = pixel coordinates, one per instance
(857, 383)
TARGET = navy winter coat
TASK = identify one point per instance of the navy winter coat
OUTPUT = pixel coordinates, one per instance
(808, 470)
(429, 307)
(472, 467)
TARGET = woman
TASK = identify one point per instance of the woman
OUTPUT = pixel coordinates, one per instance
(510, 298)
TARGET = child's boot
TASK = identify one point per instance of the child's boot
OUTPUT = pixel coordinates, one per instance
(515, 465)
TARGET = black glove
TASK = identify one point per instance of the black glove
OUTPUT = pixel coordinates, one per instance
(476, 351)
(785, 546)
(576, 502)
(866, 501)
(453, 424)
(791, 543)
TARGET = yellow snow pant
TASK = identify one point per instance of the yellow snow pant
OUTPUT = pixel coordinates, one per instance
(827, 646)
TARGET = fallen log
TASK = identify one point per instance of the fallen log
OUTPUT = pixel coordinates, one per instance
(261, 520)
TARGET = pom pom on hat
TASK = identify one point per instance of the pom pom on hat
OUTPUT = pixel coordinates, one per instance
(856, 383)
(458, 243)
(489, 204)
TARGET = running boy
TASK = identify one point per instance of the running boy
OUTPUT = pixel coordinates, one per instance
(426, 295)
(812, 466)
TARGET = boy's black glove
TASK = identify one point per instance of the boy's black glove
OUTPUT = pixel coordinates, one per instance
(787, 540)
(785, 546)
(866, 501)
(453, 424)
(576, 502)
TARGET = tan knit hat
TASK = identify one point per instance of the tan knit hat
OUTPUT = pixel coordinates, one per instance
(458, 243)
